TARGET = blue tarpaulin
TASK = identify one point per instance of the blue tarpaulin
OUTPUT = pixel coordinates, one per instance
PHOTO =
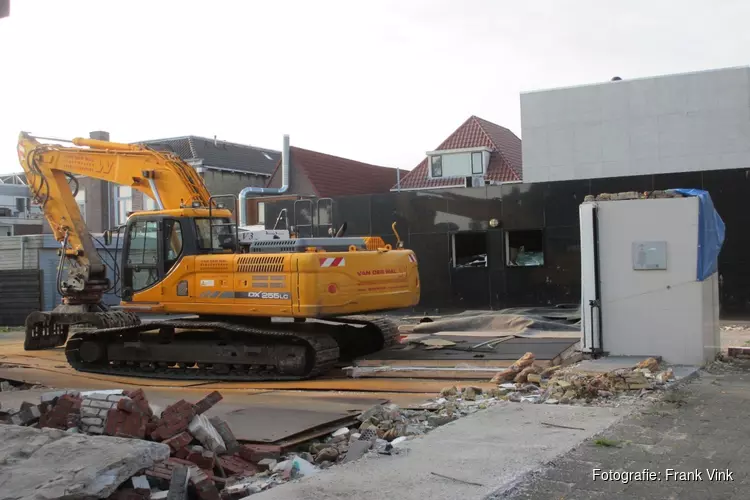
(710, 232)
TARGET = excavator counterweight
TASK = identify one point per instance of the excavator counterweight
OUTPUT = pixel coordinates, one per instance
(261, 305)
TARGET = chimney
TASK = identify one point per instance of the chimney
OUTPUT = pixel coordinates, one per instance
(99, 135)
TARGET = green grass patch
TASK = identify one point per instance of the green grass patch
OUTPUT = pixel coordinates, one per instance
(607, 443)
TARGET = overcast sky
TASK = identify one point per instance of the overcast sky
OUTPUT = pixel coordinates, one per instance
(376, 81)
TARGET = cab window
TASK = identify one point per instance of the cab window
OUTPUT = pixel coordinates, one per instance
(217, 239)
(172, 244)
(142, 265)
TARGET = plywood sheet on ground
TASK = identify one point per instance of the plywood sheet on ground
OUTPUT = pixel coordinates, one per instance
(516, 320)
(465, 350)
(466, 360)
(348, 384)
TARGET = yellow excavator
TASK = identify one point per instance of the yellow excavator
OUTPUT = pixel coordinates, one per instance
(256, 305)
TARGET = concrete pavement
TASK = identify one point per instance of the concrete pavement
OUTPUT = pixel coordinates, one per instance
(701, 427)
(491, 448)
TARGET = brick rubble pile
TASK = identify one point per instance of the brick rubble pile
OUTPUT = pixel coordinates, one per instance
(206, 463)
(206, 460)
(526, 382)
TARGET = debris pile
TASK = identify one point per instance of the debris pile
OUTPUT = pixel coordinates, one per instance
(203, 459)
(383, 429)
(526, 382)
(10, 386)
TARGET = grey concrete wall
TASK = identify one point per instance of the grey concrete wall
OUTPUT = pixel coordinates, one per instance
(666, 124)
(664, 312)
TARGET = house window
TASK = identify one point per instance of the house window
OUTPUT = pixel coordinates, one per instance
(436, 165)
(149, 203)
(81, 200)
(524, 248)
(22, 205)
(262, 213)
(469, 249)
(124, 203)
(477, 163)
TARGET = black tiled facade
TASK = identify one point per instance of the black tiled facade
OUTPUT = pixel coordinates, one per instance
(427, 219)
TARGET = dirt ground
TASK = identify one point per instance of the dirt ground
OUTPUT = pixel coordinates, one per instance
(735, 334)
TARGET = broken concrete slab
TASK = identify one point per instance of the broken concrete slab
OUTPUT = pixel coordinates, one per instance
(48, 463)
(178, 485)
(357, 450)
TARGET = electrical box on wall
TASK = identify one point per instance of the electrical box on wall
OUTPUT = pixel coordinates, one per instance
(649, 255)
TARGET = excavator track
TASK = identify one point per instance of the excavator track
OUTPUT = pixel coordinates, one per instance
(226, 350)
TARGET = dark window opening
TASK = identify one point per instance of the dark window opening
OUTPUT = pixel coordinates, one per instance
(436, 164)
(469, 250)
(22, 205)
(524, 248)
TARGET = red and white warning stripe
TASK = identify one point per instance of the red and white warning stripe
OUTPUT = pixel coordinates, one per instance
(412, 258)
(333, 262)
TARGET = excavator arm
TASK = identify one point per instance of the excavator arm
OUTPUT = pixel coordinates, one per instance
(162, 176)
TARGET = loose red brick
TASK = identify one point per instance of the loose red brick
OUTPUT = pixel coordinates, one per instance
(182, 453)
(127, 405)
(178, 461)
(179, 407)
(57, 416)
(123, 424)
(233, 464)
(139, 398)
(206, 403)
(256, 452)
(179, 441)
(166, 431)
(204, 460)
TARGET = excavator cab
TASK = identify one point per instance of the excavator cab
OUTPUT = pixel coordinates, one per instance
(154, 242)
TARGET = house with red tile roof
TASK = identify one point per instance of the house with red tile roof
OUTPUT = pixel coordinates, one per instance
(326, 176)
(478, 153)
(319, 175)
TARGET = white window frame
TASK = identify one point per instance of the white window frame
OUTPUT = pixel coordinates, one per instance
(262, 213)
(474, 165)
(123, 204)
(431, 173)
(81, 201)
(149, 203)
(444, 152)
